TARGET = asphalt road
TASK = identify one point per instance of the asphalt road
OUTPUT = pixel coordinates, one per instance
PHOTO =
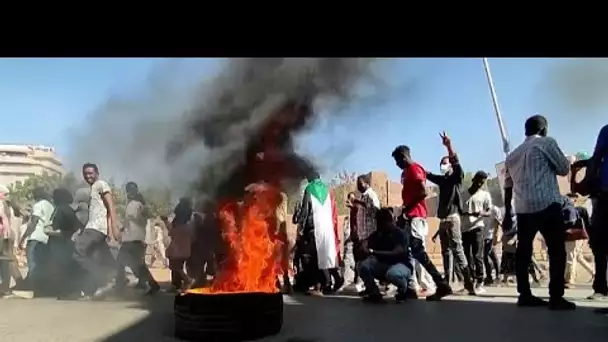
(493, 317)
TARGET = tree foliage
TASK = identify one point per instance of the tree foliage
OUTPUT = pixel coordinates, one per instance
(158, 199)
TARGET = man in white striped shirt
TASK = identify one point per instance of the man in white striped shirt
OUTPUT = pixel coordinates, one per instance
(531, 182)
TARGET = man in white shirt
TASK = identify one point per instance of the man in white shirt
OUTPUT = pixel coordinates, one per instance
(34, 240)
(477, 205)
(91, 249)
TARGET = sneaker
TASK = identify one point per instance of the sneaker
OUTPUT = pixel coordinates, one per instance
(316, 293)
(530, 301)
(442, 291)
(8, 295)
(561, 305)
(598, 296)
(479, 289)
(338, 284)
(71, 296)
(363, 293)
(103, 291)
(375, 298)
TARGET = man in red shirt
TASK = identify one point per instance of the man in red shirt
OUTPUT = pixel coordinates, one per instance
(413, 215)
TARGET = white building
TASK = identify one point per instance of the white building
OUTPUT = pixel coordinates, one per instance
(18, 162)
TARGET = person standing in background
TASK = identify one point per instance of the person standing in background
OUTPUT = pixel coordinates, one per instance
(490, 259)
(365, 209)
(477, 207)
(132, 251)
(82, 197)
(580, 210)
(157, 242)
(8, 261)
(179, 250)
(531, 172)
(36, 248)
(289, 236)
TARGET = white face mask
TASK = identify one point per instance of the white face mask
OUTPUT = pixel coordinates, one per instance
(445, 168)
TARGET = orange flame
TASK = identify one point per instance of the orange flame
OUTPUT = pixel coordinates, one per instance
(253, 260)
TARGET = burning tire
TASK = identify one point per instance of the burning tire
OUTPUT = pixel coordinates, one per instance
(228, 316)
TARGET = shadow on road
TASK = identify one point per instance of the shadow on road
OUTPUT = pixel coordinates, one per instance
(336, 319)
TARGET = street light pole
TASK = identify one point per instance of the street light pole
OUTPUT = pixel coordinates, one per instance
(501, 126)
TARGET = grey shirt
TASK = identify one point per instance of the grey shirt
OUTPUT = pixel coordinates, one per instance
(98, 214)
(134, 228)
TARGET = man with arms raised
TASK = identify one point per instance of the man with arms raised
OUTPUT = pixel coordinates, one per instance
(531, 172)
(91, 246)
(448, 212)
(413, 215)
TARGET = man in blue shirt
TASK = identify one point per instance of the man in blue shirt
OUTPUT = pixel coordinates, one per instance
(387, 258)
(598, 234)
(600, 156)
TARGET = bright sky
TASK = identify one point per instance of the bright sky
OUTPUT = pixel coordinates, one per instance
(41, 99)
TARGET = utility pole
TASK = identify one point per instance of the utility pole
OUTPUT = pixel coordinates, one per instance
(501, 126)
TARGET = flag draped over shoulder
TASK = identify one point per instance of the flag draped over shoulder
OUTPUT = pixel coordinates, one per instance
(322, 206)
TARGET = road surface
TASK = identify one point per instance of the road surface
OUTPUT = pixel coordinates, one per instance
(493, 317)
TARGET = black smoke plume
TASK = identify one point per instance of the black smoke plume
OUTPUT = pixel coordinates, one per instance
(251, 97)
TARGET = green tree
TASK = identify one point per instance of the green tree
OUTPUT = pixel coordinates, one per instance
(158, 199)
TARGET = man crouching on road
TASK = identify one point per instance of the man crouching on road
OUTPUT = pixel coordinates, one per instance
(387, 258)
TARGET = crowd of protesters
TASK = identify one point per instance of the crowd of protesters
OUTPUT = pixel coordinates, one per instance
(388, 245)
(68, 238)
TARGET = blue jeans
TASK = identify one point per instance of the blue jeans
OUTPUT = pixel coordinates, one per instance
(371, 269)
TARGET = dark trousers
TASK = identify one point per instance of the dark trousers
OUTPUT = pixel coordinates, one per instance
(550, 223)
(472, 242)
(452, 250)
(132, 255)
(598, 240)
(92, 253)
(331, 279)
(37, 257)
(63, 270)
(419, 252)
(490, 259)
(178, 274)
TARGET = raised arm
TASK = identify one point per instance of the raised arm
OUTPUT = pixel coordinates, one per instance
(457, 172)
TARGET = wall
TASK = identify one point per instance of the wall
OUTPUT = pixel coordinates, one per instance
(389, 193)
